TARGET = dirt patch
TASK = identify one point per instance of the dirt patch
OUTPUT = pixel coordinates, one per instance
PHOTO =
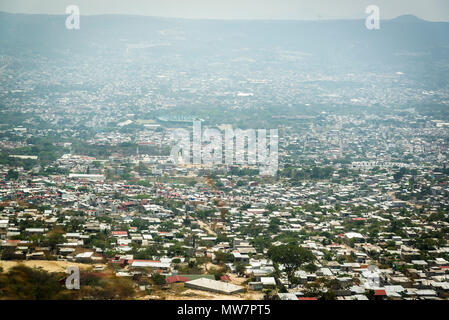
(191, 294)
(179, 292)
(206, 226)
(237, 280)
(47, 265)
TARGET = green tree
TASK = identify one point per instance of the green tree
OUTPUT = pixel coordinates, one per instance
(240, 268)
(223, 257)
(53, 238)
(158, 279)
(291, 256)
(12, 175)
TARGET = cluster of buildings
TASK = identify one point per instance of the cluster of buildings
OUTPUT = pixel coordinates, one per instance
(377, 228)
(86, 176)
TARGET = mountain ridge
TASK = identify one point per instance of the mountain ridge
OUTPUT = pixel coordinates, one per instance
(400, 18)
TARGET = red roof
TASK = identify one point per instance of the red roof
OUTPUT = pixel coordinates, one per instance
(174, 279)
(121, 261)
(380, 293)
(128, 203)
(116, 233)
(307, 298)
(225, 278)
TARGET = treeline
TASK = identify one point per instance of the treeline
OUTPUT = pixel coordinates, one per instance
(41, 147)
(125, 148)
(6, 160)
(235, 171)
(404, 171)
(308, 173)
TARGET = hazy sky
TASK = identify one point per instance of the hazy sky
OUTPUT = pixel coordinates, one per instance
(434, 10)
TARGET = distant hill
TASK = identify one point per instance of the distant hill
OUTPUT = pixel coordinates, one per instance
(322, 42)
(408, 18)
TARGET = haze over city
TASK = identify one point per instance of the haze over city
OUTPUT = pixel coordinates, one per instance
(224, 150)
(432, 10)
